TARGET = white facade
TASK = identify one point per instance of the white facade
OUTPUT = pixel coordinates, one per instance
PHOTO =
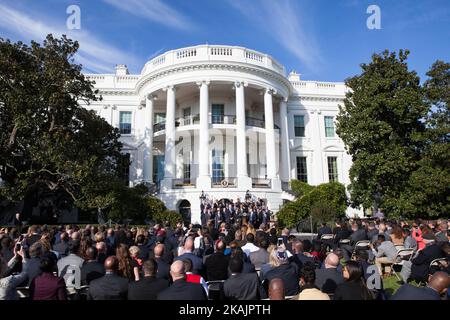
(223, 120)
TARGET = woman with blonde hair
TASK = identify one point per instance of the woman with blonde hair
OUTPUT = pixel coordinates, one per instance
(136, 262)
(251, 229)
(273, 263)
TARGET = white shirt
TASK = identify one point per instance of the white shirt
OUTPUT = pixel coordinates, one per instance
(249, 248)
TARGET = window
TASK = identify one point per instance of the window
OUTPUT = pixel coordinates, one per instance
(302, 173)
(159, 118)
(332, 169)
(217, 166)
(125, 122)
(329, 127)
(217, 113)
(299, 126)
(187, 116)
(158, 168)
(187, 172)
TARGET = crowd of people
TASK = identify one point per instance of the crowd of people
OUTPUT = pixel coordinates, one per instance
(226, 259)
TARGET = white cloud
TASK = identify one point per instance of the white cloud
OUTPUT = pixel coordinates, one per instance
(282, 21)
(154, 10)
(95, 54)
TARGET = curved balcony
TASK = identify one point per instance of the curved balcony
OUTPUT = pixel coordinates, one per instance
(210, 53)
(214, 119)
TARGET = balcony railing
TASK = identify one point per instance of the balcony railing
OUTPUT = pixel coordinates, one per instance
(159, 126)
(261, 183)
(188, 120)
(183, 183)
(223, 119)
(259, 123)
(224, 183)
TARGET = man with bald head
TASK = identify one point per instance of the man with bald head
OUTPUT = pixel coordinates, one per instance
(276, 289)
(216, 264)
(163, 266)
(111, 286)
(197, 262)
(437, 285)
(329, 277)
(180, 289)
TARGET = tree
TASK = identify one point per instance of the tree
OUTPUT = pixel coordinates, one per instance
(428, 191)
(381, 124)
(48, 142)
(323, 202)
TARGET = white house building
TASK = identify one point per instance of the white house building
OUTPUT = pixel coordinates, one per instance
(221, 120)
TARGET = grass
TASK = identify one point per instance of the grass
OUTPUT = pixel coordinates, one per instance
(390, 284)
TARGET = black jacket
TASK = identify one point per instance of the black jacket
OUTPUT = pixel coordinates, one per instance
(421, 264)
(289, 274)
(146, 288)
(216, 266)
(243, 286)
(409, 292)
(328, 279)
(351, 290)
(91, 270)
(182, 290)
(109, 287)
(163, 269)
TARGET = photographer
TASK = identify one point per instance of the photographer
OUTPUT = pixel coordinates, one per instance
(8, 281)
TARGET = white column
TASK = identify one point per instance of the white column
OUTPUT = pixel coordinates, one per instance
(285, 157)
(204, 178)
(270, 135)
(244, 182)
(169, 157)
(148, 140)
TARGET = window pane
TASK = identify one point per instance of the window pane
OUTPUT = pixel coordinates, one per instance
(125, 122)
(299, 126)
(329, 127)
(217, 166)
(332, 169)
(302, 172)
(217, 111)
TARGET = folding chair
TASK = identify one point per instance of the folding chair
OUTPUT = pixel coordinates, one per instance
(258, 271)
(399, 247)
(402, 256)
(72, 278)
(360, 245)
(215, 290)
(437, 264)
(327, 236)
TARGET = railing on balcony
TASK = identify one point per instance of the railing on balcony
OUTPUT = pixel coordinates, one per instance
(224, 183)
(253, 122)
(183, 183)
(188, 120)
(223, 119)
(261, 183)
(159, 126)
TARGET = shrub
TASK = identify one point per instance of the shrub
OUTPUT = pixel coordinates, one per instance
(172, 217)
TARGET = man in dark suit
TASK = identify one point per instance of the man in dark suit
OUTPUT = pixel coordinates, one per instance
(91, 269)
(62, 247)
(242, 286)
(180, 289)
(437, 285)
(197, 262)
(420, 267)
(358, 234)
(286, 271)
(324, 229)
(110, 286)
(329, 277)
(143, 249)
(163, 269)
(299, 257)
(216, 264)
(148, 287)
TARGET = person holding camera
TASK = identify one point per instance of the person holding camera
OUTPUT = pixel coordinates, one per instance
(8, 281)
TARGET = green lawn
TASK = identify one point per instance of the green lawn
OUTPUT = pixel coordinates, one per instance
(391, 286)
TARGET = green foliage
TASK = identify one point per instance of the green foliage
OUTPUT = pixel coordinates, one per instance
(172, 216)
(48, 142)
(323, 202)
(154, 206)
(381, 124)
(300, 188)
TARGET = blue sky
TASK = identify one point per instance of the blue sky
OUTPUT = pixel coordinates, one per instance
(320, 39)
